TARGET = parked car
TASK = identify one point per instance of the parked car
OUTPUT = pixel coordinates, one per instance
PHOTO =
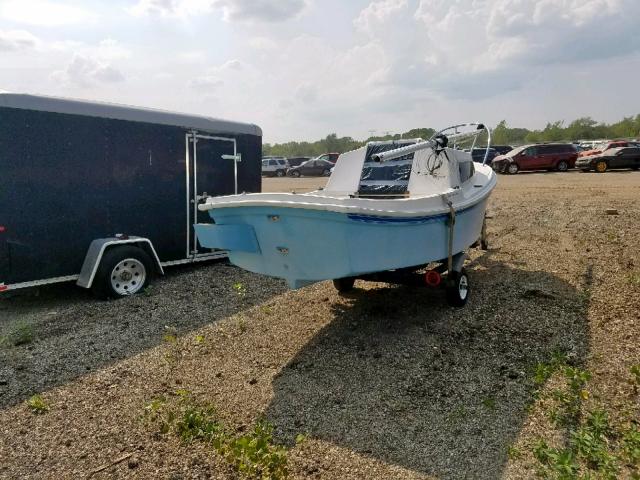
(274, 166)
(502, 149)
(548, 156)
(295, 161)
(328, 157)
(477, 154)
(622, 157)
(312, 168)
(603, 147)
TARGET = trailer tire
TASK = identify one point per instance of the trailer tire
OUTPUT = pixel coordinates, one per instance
(124, 270)
(457, 288)
(344, 285)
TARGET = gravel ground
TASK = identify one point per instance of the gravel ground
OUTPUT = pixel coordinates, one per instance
(388, 382)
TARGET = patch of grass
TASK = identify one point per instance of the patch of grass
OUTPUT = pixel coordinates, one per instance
(199, 339)
(242, 325)
(22, 334)
(634, 278)
(594, 447)
(458, 413)
(489, 403)
(635, 372)
(542, 371)
(240, 289)
(255, 456)
(38, 405)
(590, 442)
(555, 462)
(570, 399)
(514, 453)
(252, 455)
(170, 334)
(148, 291)
(631, 445)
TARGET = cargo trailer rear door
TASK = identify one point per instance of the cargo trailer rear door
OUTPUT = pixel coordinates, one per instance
(214, 173)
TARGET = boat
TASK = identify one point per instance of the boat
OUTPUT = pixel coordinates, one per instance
(388, 208)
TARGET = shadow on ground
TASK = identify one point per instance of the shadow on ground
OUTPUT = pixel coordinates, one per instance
(72, 333)
(403, 378)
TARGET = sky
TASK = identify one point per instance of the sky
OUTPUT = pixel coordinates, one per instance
(302, 69)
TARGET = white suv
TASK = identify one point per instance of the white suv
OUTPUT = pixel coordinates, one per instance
(274, 166)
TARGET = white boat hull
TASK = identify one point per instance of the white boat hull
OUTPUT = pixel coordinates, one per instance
(304, 246)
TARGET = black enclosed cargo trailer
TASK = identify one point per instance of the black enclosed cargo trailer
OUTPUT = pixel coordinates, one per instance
(86, 187)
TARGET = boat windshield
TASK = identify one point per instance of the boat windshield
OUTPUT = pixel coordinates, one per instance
(386, 178)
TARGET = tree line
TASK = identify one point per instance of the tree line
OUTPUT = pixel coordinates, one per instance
(584, 128)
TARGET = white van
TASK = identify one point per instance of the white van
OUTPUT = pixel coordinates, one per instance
(274, 166)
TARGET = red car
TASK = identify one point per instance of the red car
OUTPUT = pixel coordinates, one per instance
(548, 156)
(603, 147)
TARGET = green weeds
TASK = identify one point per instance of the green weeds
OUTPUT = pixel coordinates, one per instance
(594, 447)
(252, 455)
(22, 334)
(38, 405)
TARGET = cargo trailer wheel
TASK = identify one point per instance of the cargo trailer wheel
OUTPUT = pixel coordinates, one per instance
(562, 166)
(457, 288)
(123, 271)
(280, 173)
(344, 285)
(513, 168)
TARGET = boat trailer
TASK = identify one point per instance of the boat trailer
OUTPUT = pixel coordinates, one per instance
(448, 274)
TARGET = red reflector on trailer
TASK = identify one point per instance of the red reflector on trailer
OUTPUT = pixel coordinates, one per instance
(3, 287)
(433, 278)
(2, 228)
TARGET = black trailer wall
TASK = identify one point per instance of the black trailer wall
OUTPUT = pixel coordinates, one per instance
(66, 180)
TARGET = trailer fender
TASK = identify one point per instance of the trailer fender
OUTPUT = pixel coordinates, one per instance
(100, 245)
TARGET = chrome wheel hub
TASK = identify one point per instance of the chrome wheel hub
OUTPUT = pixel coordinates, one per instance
(463, 287)
(128, 276)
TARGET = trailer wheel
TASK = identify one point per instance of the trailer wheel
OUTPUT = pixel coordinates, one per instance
(123, 271)
(344, 285)
(457, 288)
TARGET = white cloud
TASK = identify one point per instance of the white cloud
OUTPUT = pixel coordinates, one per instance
(232, 10)
(13, 40)
(450, 47)
(261, 10)
(85, 72)
(43, 13)
(375, 15)
(205, 82)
